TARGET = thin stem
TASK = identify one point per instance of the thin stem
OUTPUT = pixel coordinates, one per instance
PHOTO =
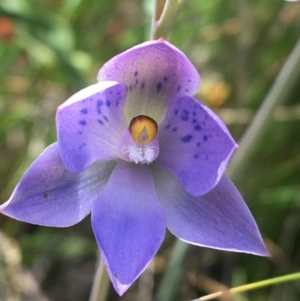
(101, 283)
(165, 12)
(282, 86)
(251, 286)
(167, 291)
(253, 136)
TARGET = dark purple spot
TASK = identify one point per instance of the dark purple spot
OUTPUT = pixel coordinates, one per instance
(79, 132)
(100, 121)
(82, 122)
(185, 115)
(99, 105)
(194, 114)
(198, 144)
(209, 135)
(186, 139)
(196, 156)
(108, 103)
(136, 73)
(130, 88)
(174, 129)
(165, 79)
(186, 90)
(189, 81)
(142, 85)
(176, 112)
(178, 88)
(84, 111)
(205, 137)
(203, 123)
(158, 87)
(136, 81)
(206, 158)
(105, 118)
(168, 126)
(82, 146)
(197, 127)
(194, 121)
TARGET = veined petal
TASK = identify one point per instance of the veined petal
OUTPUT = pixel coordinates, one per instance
(49, 195)
(154, 72)
(89, 125)
(195, 145)
(129, 223)
(219, 219)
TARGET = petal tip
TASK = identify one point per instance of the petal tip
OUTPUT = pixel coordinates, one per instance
(120, 288)
(256, 247)
(263, 251)
(2, 207)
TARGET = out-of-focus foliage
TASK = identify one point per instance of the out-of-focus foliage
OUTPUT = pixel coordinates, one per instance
(50, 49)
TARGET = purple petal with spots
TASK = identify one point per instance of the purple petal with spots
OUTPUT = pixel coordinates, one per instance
(195, 145)
(49, 195)
(89, 125)
(129, 223)
(154, 72)
(219, 219)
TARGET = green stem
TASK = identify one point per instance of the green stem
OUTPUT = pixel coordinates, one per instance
(251, 286)
(253, 136)
(101, 283)
(260, 124)
(167, 291)
(163, 17)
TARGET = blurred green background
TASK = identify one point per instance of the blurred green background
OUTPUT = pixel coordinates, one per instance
(49, 49)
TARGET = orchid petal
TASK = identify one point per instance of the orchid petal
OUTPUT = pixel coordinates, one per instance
(89, 125)
(49, 195)
(154, 72)
(219, 219)
(195, 145)
(129, 223)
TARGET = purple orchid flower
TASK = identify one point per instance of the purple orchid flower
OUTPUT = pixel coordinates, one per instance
(140, 153)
